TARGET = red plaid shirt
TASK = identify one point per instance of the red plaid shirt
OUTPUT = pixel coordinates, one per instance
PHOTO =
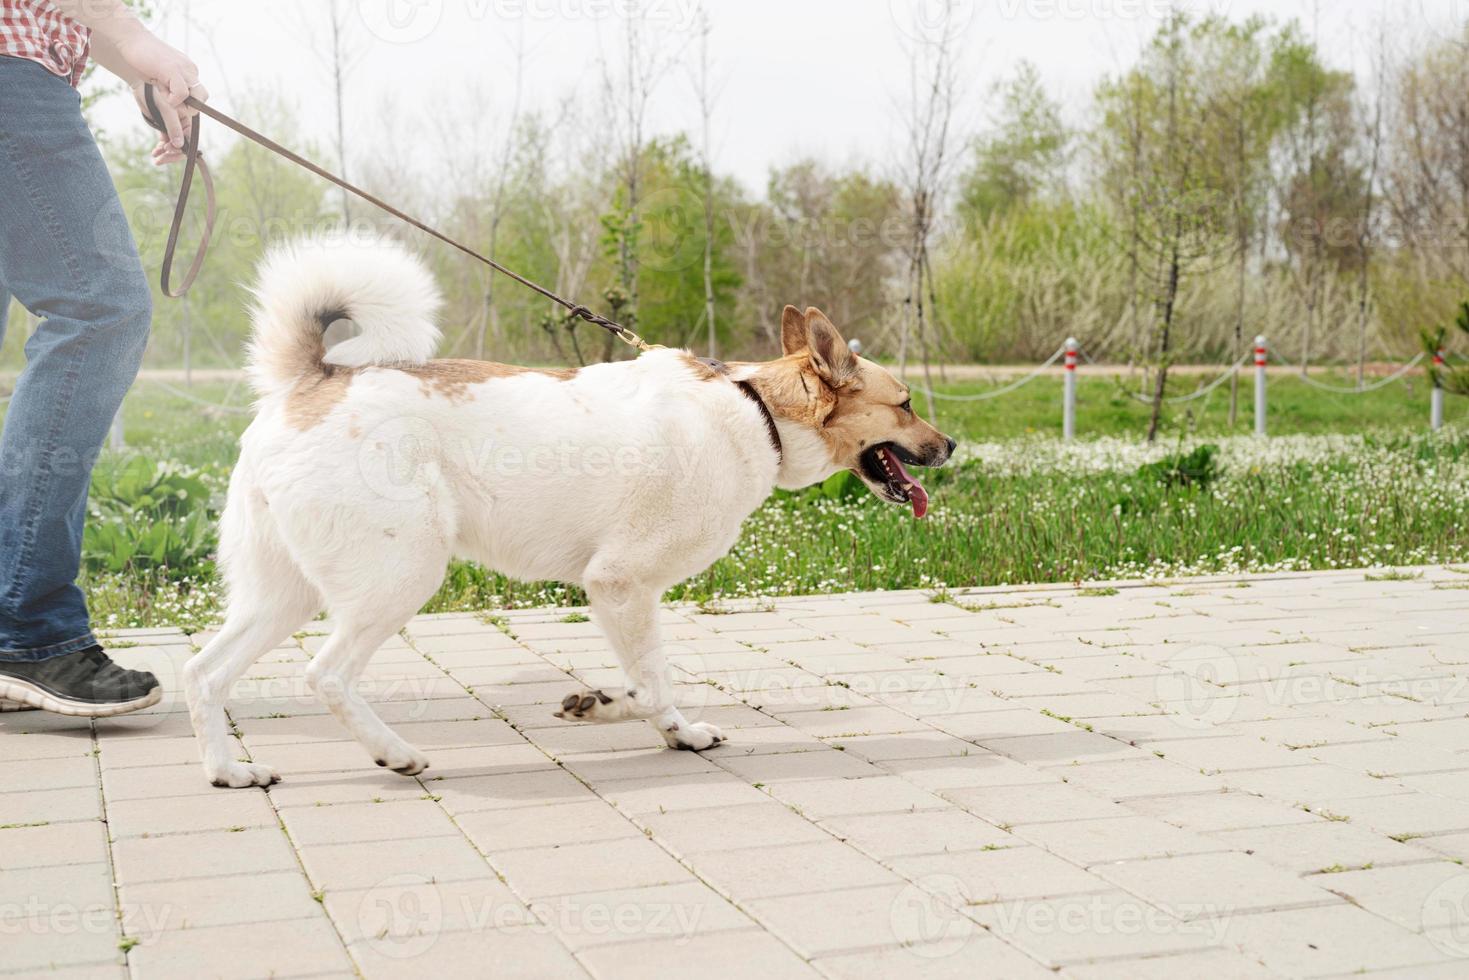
(36, 31)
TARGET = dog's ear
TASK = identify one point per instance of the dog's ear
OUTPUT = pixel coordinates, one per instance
(830, 356)
(792, 331)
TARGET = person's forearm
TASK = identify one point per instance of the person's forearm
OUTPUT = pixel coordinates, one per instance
(107, 19)
(105, 53)
(110, 21)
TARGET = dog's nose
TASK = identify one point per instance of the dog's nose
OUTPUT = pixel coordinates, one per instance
(952, 446)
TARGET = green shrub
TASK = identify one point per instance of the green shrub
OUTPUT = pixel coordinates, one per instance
(150, 517)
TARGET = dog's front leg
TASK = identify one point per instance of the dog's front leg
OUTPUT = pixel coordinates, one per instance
(628, 614)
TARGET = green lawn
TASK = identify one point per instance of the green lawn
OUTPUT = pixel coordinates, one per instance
(1105, 406)
(1017, 506)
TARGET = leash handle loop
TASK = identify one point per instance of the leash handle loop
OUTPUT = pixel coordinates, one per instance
(192, 161)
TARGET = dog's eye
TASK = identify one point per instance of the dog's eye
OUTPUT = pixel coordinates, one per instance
(907, 406)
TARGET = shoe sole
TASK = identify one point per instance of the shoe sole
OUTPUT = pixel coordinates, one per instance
(28, 695)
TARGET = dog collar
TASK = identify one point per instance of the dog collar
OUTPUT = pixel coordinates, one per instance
(748, 390)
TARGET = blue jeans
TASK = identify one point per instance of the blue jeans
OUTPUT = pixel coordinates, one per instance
(67, 255)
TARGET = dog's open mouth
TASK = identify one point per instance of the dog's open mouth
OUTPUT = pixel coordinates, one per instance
(882, 466)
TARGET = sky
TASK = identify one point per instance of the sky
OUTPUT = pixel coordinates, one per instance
(796, 78)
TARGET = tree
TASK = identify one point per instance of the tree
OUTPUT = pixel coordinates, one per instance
(1321, 188)
(1426, 178)
(933, 90)
(1024, 157)
(627, 92)
(705, 90)
(1242, 107)
(1163, 180)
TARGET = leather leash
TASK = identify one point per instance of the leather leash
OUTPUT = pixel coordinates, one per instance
(194, 161)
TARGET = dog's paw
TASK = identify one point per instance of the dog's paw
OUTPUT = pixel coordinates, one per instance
(692, 736)
(237, 775)
(585, 706)
(403, 759)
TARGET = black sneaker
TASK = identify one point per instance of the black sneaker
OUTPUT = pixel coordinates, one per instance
(86, 683)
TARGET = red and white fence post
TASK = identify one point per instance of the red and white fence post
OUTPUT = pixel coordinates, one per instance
(1261, 353)
(1068, 398)
(1435, 405)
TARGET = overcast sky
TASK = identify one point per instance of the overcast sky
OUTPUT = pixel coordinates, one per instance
(799, 77)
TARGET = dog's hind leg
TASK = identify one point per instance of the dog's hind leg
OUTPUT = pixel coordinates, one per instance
(628, 614)
(269, 599)
(365, 623)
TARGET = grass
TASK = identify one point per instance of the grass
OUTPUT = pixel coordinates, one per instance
(1016, 508)
(1105, 407)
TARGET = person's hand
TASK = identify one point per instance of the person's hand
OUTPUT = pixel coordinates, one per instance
(174, 78)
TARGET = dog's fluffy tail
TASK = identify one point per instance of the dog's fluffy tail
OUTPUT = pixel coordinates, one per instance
(305, 286)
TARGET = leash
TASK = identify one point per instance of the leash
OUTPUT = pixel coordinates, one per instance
(193, 161)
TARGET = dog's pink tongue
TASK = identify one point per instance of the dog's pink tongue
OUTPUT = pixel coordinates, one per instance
(917, 496)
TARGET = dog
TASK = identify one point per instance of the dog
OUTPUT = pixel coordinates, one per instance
(369, 465)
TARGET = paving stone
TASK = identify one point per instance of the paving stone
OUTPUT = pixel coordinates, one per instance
(851, 919)
(403, 913)
(767, 823)
(721, 956)
(791, 869)
(669, 913)
(845, 722)
(1220, 811)
(889, 835)
(818, 798)
(958, 957)
(1312, 847)
(1329, 941)
(57, 916)
(195, 903)
(1062, 748)
(1406, 813)
(297, 947)
(1392, 756)
(539, 826)
(1032, 803)
(486, 760)
(214, 811)
(334, 867)
(1103, 925)
(979, 768)
(909, 745)
(24, 746)
(1005, 874)
(1229, 754)
(350, 823)
(46, 845)
(1312, 783)
(1132, 778)
(156, 783)
(632, 763)
(1193, 886)
(1088, 842)
(331, 788)
(535, 788)
(1216, 964)
(673, 794)
(139, 860)
(770, 768)
(570, 869)
(1420, 897)
(36, 775)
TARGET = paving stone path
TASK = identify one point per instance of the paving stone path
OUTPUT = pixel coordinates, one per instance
(1244, 778)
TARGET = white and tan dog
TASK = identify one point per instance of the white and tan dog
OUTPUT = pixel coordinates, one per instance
(370, 465)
